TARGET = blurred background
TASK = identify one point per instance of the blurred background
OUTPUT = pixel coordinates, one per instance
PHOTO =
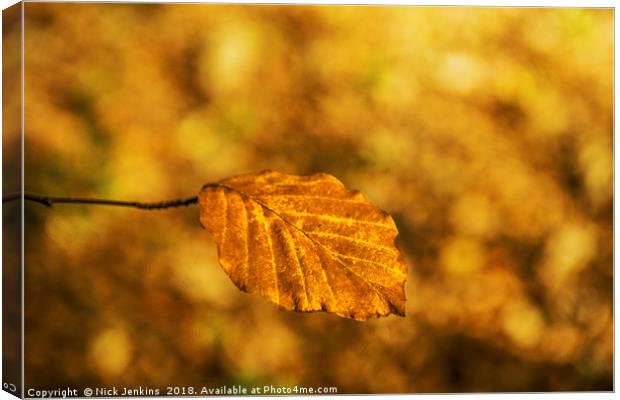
(485, 132)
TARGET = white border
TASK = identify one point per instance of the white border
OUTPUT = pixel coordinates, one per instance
(465, 3)
(507, 3)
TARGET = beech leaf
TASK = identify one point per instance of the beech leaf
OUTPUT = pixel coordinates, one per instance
(306, 243)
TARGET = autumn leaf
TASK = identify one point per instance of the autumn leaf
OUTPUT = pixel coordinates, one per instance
(306, 243)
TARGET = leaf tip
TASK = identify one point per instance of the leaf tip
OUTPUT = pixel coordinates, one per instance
(289, 228)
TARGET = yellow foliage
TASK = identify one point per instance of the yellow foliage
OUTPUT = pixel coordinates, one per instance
(486, 133)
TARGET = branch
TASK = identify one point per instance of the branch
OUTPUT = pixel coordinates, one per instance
(49, 201)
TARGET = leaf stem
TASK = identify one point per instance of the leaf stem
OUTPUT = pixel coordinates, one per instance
(49, 201)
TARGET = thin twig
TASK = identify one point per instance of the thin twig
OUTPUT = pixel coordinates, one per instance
(49, 201)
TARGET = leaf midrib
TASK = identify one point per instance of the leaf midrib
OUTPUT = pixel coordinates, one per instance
(373, 285)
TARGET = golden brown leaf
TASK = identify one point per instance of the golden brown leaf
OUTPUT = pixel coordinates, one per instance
(306, 243)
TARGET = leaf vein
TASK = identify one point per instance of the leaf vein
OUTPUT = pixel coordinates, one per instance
(364, 242)
(246, 264)
(271, 258)
(397, 271)
(303, 196)
(336, 255)
(329, 286)
(303, 276)
(336, 218)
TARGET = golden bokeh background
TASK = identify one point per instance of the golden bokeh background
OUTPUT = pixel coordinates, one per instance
(485, 132)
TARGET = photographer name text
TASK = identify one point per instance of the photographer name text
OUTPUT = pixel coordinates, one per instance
(141, 391)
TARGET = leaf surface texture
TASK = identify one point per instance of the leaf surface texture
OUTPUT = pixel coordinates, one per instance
(306, 243)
